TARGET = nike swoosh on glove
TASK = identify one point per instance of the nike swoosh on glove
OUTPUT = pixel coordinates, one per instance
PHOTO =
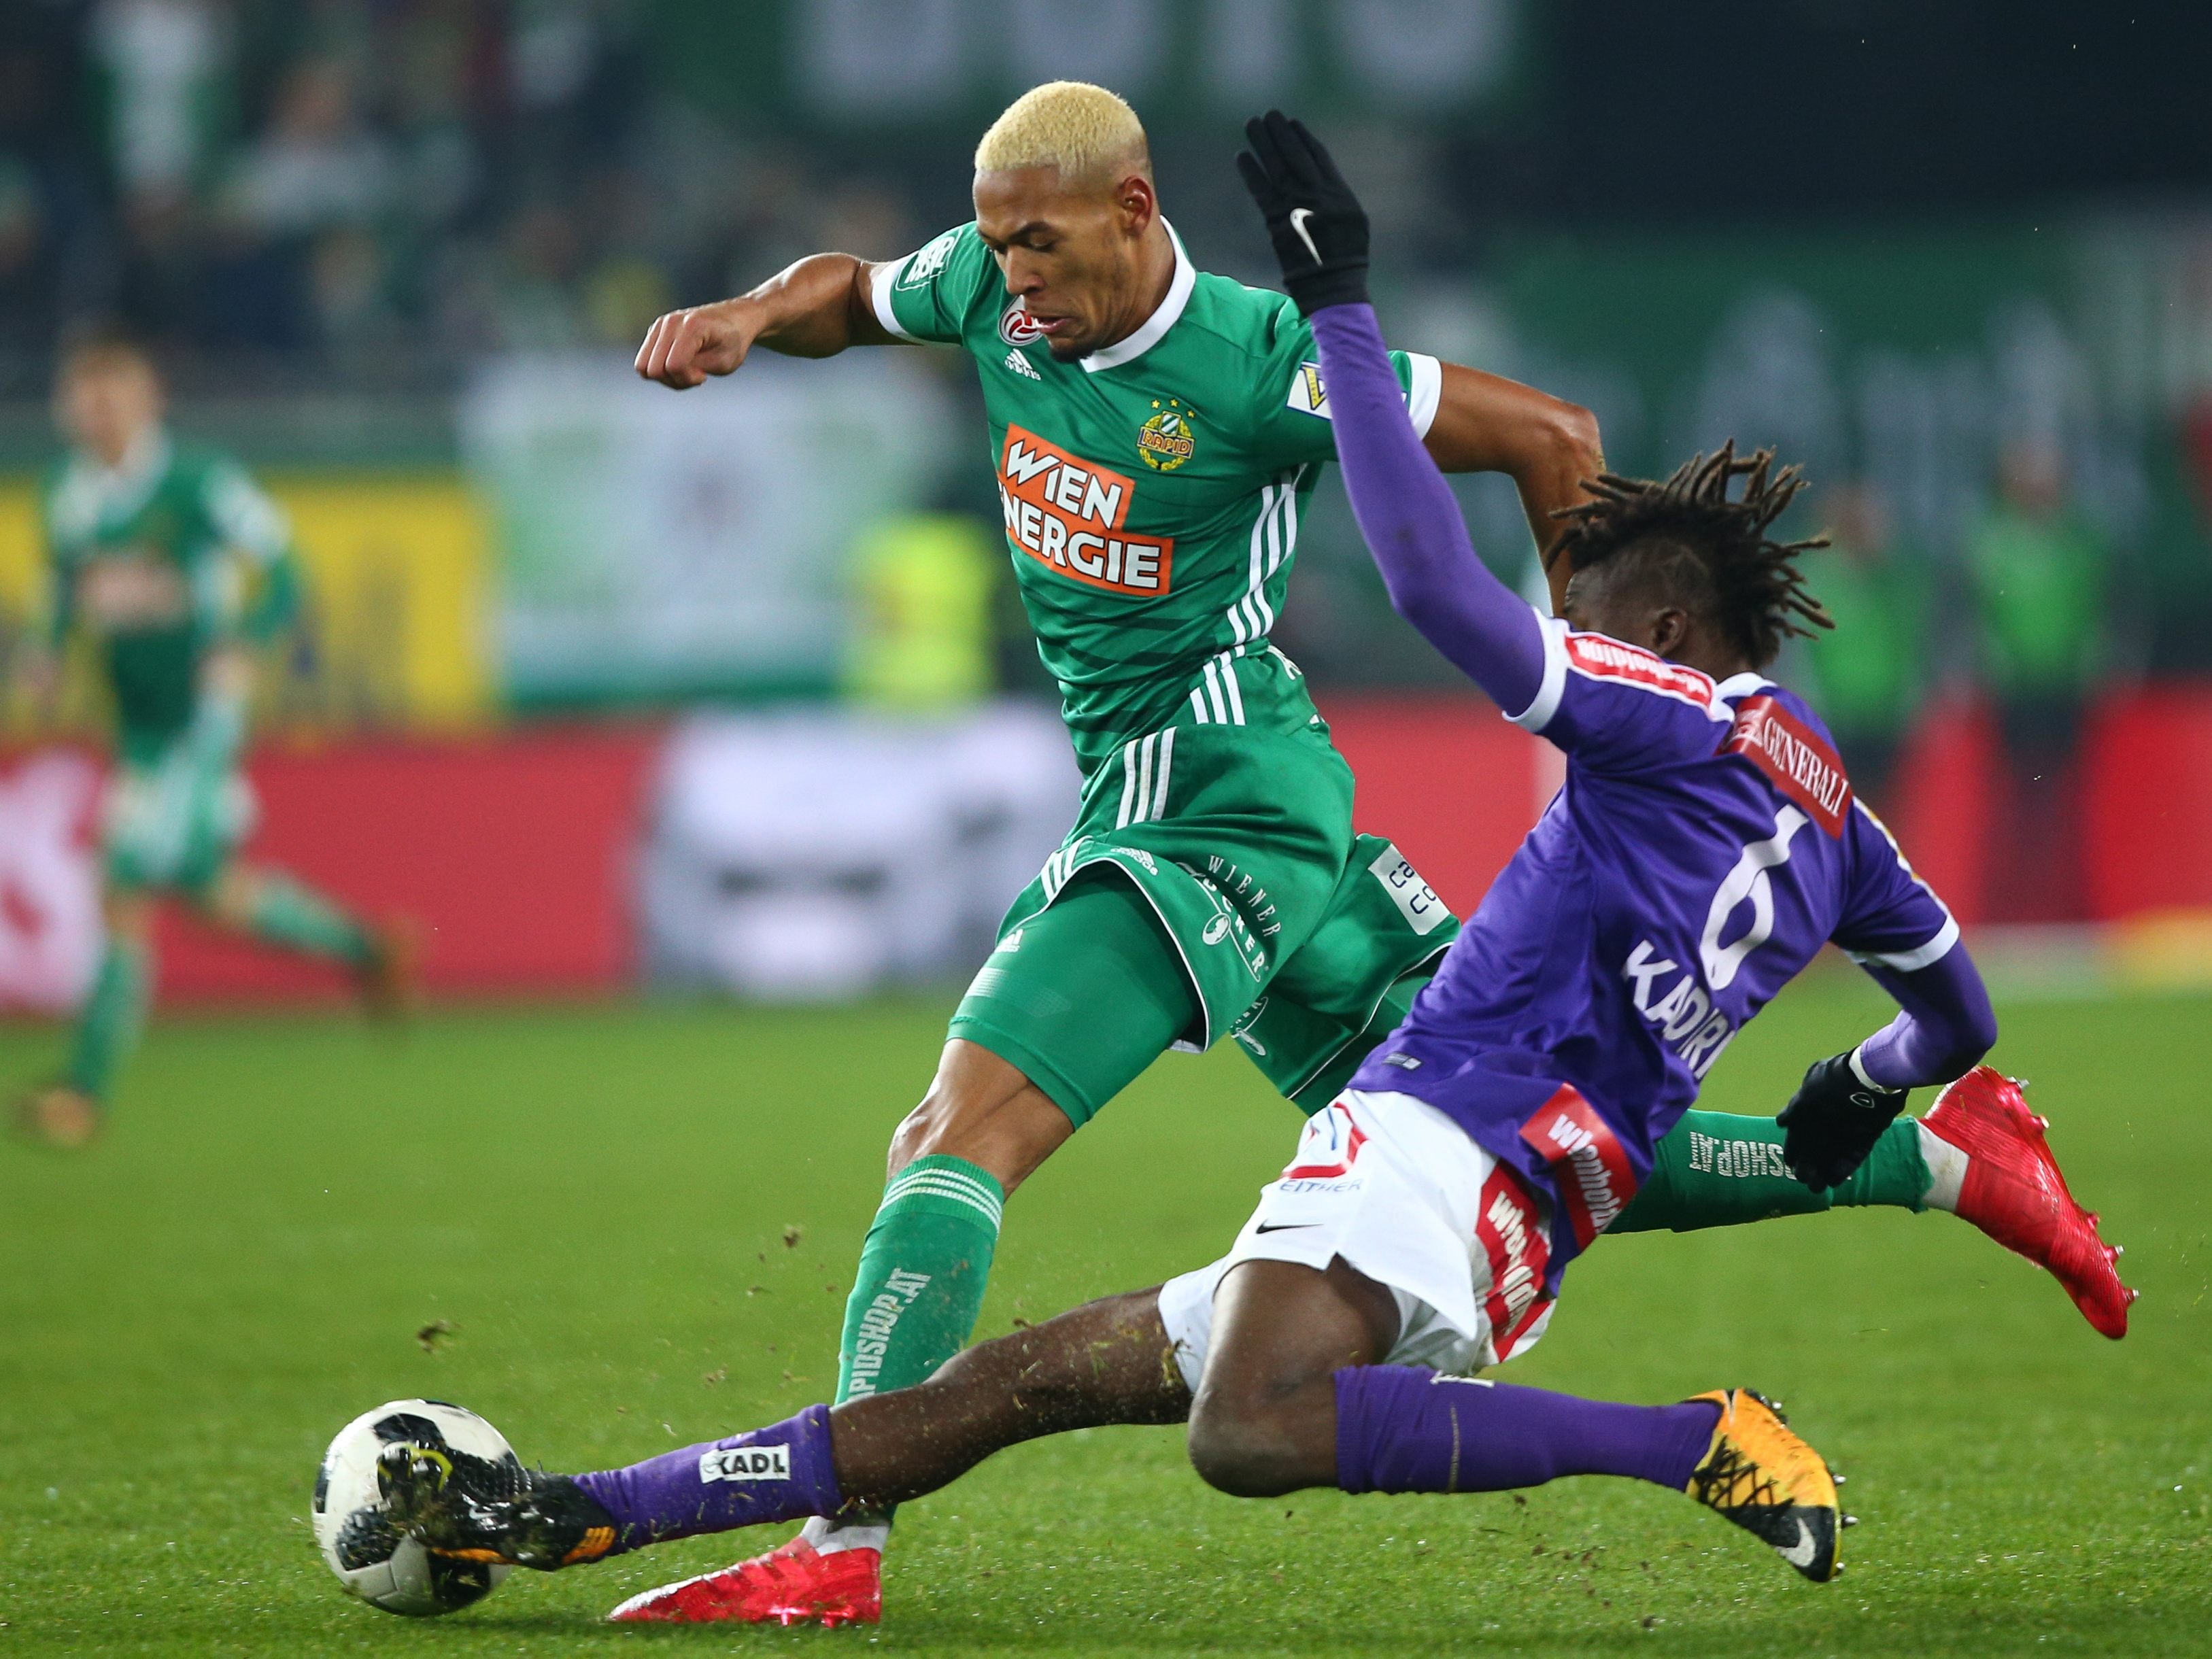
(1832, 1122)
(1316, 223)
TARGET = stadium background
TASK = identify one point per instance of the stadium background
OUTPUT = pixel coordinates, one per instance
(622, 695)
(396, 254)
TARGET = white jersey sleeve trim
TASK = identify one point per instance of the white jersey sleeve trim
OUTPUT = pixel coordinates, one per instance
(1553, 686)
(1912, 962)
(1425, 391)
(880, 279)
(1859, 1070)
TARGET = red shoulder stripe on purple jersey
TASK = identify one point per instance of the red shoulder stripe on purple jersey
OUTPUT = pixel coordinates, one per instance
(1601, 657)
(1589, 1166)
(1795, 756)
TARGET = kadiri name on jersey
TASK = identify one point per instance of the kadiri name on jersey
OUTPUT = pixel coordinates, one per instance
(1068, 513)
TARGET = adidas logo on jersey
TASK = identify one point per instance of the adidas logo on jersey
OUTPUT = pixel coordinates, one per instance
(1021, 366)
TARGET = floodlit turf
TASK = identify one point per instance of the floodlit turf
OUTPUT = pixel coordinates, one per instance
(639, 1225)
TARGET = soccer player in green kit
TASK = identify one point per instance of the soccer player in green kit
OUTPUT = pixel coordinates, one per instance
(1156, 431)
(176, 565)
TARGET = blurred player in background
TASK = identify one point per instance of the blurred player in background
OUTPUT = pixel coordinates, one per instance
(1156, 431)
(175, 566)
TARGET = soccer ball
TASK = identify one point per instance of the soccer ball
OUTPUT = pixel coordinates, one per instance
(359, 1543)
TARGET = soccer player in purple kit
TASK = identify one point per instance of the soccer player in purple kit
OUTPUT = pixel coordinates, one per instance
(1704, 847)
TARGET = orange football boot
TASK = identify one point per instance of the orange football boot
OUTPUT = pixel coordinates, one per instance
(1768, 1481)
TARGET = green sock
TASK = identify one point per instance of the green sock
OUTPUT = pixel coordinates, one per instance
(920, 1289)
(108, 1025)
(1718, 1169)
(289, 913)
(923, 1268)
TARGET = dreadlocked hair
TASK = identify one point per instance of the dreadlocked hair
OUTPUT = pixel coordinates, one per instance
(1712, 552)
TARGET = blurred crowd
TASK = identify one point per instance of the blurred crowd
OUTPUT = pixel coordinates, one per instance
(377, 191)
(2020, 620)
(2032, 577)
(380, 184)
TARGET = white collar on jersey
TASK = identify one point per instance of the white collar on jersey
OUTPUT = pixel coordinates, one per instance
(1154, 327)
(1738, 685)
(92, 487)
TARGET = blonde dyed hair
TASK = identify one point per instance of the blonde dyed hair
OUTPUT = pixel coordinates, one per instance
(1084, 130)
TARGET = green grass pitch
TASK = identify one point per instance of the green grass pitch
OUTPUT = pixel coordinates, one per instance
(598, 1203)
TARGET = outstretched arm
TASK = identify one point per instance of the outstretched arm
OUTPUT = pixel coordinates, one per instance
(1547, 445)
(1407, 512)
(816, 308)
(1412, 523)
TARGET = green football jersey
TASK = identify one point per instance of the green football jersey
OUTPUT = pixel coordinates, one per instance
(145, 558)
(1152, 490)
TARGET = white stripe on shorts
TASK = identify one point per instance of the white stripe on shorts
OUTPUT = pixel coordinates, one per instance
(1228, 660)
(1213, 689)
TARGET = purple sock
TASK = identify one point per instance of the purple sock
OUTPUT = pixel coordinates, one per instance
(1400, 1429)
(776, 1474)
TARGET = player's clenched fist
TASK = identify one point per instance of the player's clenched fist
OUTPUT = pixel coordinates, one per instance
(682, 348)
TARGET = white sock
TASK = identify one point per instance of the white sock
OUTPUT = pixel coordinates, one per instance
(1946, 1169)
(829, 1536)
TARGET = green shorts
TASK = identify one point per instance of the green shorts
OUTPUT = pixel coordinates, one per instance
(173, 819)
(1270, 921)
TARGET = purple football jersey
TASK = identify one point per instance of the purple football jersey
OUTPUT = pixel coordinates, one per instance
(1705, 845)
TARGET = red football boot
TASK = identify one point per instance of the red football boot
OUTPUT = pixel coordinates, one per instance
(788, 1586)
(2013, 1191)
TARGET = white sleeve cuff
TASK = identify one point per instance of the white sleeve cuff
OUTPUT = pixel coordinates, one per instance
(1553, 686)
(880, 278)
(1912, 962)
(1424, 390)
(1859, 1070)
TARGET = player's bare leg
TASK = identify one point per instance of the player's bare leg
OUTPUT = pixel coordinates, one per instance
(1264, 1421)
(1291, 1397)
(1108, 1362)
(272, 907)
(982, 1128)
(982, 1110)
(1084, 996)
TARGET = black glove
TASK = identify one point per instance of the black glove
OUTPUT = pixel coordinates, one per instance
(1316, 223)
(1832, 1122)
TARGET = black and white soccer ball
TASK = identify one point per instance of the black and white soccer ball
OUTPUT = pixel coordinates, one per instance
(355, 1532)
